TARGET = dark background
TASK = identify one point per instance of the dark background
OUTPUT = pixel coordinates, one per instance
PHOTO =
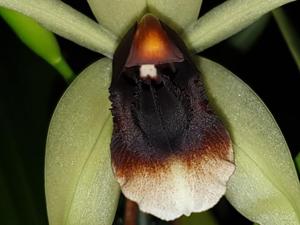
(30, 89)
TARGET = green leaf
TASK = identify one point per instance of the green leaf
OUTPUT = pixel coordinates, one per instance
(9, 214)
(297, 161)
(65, 21)
(80, 187)
(40, 40)
(264, 187)
(205, 218)
(244, 40)
(225, 20)
(289, 33)
(177, 13)
(118, 16)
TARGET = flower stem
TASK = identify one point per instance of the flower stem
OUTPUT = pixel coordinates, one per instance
(297, 161)
(289, 34)
(131, 213)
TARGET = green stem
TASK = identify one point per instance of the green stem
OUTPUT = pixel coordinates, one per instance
(297, 161)
(289, 33)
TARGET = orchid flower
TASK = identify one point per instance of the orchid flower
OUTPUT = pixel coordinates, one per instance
(80, 185)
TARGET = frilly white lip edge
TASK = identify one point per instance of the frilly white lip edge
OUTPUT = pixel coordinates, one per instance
(179, 189)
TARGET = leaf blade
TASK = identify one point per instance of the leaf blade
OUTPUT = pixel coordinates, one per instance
(297, 161)
(206, 218)
(289, 34)
(246, 39)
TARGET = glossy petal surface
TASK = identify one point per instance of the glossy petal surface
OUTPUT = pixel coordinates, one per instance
(80, 187)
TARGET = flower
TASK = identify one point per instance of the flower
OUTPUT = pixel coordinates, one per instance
(170, 152)
(80, 187)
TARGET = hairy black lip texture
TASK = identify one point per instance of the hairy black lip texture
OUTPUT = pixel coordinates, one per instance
(155, 120)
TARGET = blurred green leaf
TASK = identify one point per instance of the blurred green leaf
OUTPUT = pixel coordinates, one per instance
(17, 201)
(40, 40)
(80, 187)
(264, 187)
(204, 218)
(297, 160)
(289, 34)
(9, 214)
(26, 89)
(63, 20)
(244, 40)
(225, 20)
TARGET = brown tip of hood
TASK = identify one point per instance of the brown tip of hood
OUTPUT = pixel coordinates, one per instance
(152, 45)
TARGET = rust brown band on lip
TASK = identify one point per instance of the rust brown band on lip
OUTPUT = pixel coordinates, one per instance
(215, 145)
(170, 153)
(176, 185)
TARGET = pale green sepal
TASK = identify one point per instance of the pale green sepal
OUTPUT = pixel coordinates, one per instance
(65, 21)
(80, 186)
(225, 20)
(118, 15)
(289, 33)
(38, 39)
(265, 187)
(257, 196)
(178, 14)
